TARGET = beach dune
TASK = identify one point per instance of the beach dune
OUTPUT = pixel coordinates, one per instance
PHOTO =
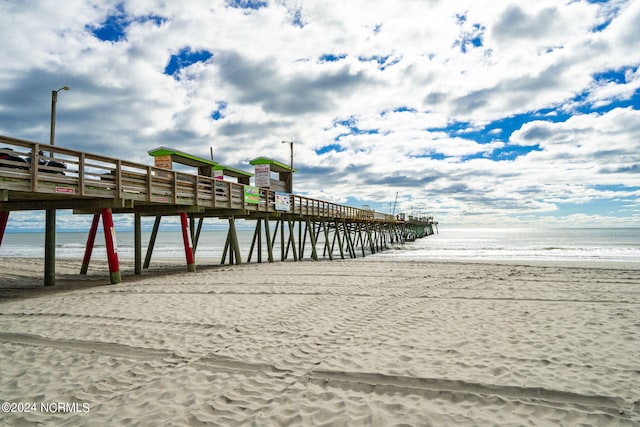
(355, 342)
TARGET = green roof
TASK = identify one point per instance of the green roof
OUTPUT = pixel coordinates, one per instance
(182, 157)
(232, 171)
(191, 160)
(279, 167)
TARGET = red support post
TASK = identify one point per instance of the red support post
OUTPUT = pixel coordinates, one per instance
(111, 244)
(4, 217)
(188, 245)
(91, 239)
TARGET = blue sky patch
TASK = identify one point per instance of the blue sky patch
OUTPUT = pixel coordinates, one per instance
(612, 76)
(512, 152)
(331, 147)
(218, 114)
(401, 109)
(380, 59)
(614, 187)
(404, 109)
(433, 155)
(602, 26)
(479, 155)
(377, 58)
(595, 206)
(330, 57)
(469, 39)
(499, 130)
(114, 27)
(297, 19)
(247, 4)
(184, 58)
(351, 124)
(585, 107)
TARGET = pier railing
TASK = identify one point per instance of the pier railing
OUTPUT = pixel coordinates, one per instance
(56, 172)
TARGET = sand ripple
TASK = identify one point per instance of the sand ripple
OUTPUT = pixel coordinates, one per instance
(329, 344)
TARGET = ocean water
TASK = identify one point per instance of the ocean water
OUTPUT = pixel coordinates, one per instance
(590, 245)
(169, 244)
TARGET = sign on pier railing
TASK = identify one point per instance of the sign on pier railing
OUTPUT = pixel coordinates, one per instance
(283, 202)
(251, 195)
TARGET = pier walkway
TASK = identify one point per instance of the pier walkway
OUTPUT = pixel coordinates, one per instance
(37, 176)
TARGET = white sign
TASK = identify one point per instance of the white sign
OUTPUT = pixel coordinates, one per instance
(263, 176)
(283, 202)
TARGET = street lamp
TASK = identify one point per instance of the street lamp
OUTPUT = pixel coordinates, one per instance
(50, 214)
(54, 100)
(291, 164)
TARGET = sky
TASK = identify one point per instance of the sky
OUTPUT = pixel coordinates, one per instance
(478, 112)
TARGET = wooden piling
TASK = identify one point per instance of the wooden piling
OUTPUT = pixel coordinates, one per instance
(137, 243)
(232, 247)
(112, 246)
(50, 248)
(312, 237)
(152, 241)
(267, 232)
(327, 247)
(196, 238)
(283, 255)
(188, 245)
(292, 241)
(4, 217)
(91, 239)
(257, 238)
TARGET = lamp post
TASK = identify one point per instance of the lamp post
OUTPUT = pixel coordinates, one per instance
(54, 100)
(291, 164)
(50, 214)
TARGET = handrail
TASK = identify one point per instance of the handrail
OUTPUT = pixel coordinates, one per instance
(97, 176)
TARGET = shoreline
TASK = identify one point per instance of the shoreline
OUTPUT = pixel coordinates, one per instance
(27, 272)
(361, 341)
(609, 265)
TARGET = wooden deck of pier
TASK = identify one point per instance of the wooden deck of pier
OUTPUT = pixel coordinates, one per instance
(99, 185)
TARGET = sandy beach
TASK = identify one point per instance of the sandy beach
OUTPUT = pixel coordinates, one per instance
(355, 342)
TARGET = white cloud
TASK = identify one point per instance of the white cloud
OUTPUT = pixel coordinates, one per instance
(401, 72)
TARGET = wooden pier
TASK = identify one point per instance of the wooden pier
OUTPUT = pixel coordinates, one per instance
(37, 176)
